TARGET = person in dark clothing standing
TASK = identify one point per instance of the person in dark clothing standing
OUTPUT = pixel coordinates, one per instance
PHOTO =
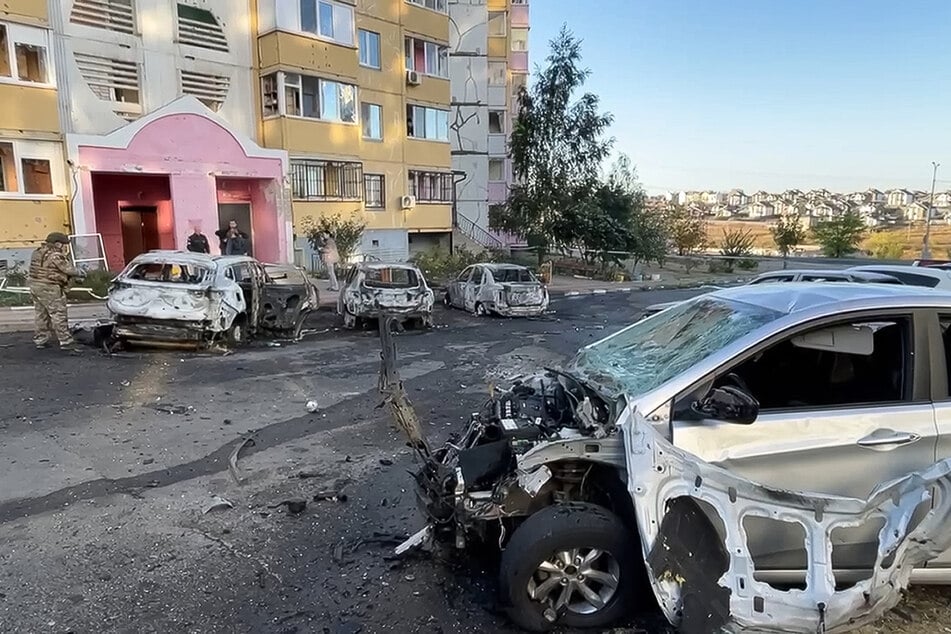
(233, 240)
(197, 242)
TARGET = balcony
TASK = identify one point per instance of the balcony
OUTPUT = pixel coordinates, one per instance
(519, 62)
(519, 16)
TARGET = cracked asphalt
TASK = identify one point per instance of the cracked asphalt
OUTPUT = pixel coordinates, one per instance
(108, 464)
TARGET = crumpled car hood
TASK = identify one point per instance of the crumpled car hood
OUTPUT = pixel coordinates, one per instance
(704, 583)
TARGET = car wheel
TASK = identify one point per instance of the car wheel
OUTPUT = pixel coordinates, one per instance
(447, 301)
(237, 334)
(481, 310)
(349, 319)
(573, 565)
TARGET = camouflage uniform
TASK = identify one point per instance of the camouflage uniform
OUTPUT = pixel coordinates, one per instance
(50, 272)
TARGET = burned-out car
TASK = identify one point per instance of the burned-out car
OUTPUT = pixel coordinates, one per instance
(374, 288)
(508, 290)
(174, 297)
(770, 458)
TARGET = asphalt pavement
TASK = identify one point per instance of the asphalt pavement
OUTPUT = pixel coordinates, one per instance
(119, 512)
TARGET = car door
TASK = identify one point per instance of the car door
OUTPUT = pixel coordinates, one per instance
(941, 383)
(474, 288)
(830, 422)
(457, 287)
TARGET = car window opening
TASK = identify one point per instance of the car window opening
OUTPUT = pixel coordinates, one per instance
(513, 275)
(395, 277)
(168, 272)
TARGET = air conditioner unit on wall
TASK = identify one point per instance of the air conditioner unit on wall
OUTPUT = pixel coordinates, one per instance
(407, 202)
(413, 78)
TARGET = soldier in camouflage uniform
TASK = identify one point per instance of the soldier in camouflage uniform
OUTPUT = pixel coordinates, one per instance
(50, 273)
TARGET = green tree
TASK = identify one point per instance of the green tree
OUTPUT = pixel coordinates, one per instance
(886, 245)
(557, 147)
(737, 247)
(688, 231)
(788, 234)
(347, 232)
(839, 236)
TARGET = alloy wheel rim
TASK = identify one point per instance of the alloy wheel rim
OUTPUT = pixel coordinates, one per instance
(578, 580)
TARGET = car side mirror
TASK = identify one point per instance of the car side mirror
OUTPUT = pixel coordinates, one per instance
(729, 404)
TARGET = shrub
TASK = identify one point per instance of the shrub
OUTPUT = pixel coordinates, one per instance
(347, 233)
(440, 265)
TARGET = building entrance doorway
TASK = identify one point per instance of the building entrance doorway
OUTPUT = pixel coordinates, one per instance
(139, 230)
(240, 213)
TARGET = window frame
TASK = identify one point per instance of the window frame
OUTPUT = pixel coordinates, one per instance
(361, 48)
(504, 21)
(502, 121)
(348, 9)
(412, 119)
(433, 52)
(436, 4)
(491, 75)
(20, 154)
(441, 182)
(917, 385)
(296, 82)
(364, 117)
(381, 178)
(349, 180)
(22, 35)
(496, 160)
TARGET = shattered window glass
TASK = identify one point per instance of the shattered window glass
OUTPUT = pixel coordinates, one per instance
(649, 353)
(168, 272)
(513, 275)
(390, 278)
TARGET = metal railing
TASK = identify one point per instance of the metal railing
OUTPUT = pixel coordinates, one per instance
(477, 234)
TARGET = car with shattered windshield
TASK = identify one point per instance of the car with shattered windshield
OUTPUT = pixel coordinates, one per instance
(176, 297)
(712, 456)
(508, 290)
(372, 289)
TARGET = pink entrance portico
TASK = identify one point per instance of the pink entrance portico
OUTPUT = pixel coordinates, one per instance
(145, 185)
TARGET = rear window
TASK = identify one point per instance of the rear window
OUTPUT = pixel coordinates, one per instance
(285, 275)
(169, 272)
(390, 278)
(912, 278)
(824, 278)
(513, 275)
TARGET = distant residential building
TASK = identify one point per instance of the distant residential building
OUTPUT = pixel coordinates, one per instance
(943, 199)
(916, 211)
(761, 210)
(737, 198)
(900, 198)
(858, 197)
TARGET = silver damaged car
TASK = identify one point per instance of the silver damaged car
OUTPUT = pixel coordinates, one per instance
(508, 290)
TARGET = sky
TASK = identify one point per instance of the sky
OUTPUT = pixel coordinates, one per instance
(767, 94)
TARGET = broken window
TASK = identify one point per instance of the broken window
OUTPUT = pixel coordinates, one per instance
(390, 277)
(6, 69)
(200, 28)
(31, 63)
(175, 273)
(496, 122)
(113, 81)
(269, 99)
(8, 169)
(513, 275)
(36, 176)
(833, 366)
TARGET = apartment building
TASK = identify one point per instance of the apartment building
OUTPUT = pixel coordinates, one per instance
(151, 117)
(488, 64)
(358, 95)
(33, 184)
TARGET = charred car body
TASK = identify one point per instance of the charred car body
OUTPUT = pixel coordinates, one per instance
(173, 297)
(372, 289)
(502, 289)
(671, 461)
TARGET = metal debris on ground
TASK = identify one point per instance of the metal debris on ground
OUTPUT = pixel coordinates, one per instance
(312, 406)
(218, 503)
(233, 459)
(330, 496)
(174, 409)
(294, 506)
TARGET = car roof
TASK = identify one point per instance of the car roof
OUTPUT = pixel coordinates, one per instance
(501, 266)
(386, 265)
(189, 257)
(901, 268)
(798, 296)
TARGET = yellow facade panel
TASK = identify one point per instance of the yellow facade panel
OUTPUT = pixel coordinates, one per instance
(29, 109)
(431, 154)
(391, 76)
(498, 47)
(312, 54)
(426, 22)
(390, 147)
(326, 138)
(302, 210)
(25, 11)
(431, 91)
(388, 10)
(497, 5)
(24, 222)
(269, 54)
(430, 218)
(272, 133)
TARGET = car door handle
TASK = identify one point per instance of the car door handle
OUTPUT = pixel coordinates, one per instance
(883, 437)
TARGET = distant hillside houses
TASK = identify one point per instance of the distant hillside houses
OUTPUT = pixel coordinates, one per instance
(876, 207)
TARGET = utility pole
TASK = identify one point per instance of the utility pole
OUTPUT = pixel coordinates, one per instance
(926, 247)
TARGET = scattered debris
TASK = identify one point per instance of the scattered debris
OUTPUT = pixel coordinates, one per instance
(294, 506)
(218, 503)
(125, 383)
(233, 460)
(386, 462)
(330, 496)
(173, 409)
(303, 475)
(312, 406)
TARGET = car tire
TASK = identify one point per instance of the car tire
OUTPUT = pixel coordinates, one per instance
(237, 334)
(574, 530)
(447, 301)
(481, 310)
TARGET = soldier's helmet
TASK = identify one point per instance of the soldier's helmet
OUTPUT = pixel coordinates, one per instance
(57, 237)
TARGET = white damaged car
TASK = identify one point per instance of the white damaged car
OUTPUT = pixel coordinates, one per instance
(175, 297)
(508, 290)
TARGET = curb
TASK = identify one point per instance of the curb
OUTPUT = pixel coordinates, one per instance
(658, 287)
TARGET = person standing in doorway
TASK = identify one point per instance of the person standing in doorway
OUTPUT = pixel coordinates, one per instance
(233, 240)
(330, 257)
(197, 242)
(50, 273)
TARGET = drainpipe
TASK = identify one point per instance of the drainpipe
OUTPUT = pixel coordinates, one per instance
(456, 174)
